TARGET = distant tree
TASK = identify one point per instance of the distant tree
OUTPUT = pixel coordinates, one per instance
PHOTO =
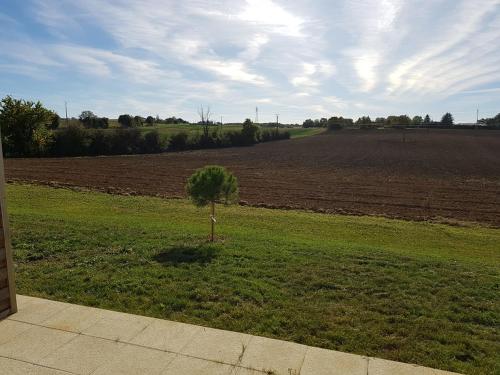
(150, 120)
(205, 114)
(138, 120)
(427, 120)
(364, 120)
(494, 121)
(25, 127)
(90, 120)
(308, 123)
(211, 185)
(86, 115)
(417, 120)
(335, 123)
(102, 123)
(323, 122)
(152, 142)
(380, 120)
(126, 121)
(402, 120)
(249, 132)
(447, 119)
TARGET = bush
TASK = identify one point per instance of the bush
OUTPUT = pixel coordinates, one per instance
(152, 143)
(178, 142)
(126, 141)
(126, 121)
(249, 133)
(70, 141)
(99, 143)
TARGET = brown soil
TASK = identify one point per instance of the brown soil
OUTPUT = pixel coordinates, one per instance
(427, 174)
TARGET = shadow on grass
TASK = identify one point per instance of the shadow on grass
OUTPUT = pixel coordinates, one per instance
(203, 254)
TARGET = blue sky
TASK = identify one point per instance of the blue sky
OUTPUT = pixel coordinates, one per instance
(298, 58)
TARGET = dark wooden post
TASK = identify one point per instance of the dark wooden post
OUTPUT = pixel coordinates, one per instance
(8, 303)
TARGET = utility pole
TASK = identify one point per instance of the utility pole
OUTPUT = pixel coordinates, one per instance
(66, 108)
(277, 122)
(256, 115)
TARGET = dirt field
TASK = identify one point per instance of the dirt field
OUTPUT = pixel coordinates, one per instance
(450, 174)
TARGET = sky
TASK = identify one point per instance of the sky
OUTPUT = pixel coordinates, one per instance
(297, 58)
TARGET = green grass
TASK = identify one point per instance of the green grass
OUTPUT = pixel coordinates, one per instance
(167, 130)
(414, 292)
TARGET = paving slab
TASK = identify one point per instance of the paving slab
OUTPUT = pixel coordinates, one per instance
(218, 345)
(328, 362)
(10, 329)
(275, 356)
(82, 355)
(166, 335)
(183, 365)
(73, 319)
(134, 360)
(54, 338)
(35, 343)
(118, 326)
(36, 310)
(384, 367)
(10, 366)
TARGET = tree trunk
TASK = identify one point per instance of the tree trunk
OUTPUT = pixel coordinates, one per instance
(212, 220)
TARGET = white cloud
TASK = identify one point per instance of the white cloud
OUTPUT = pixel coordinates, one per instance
(266, 13)
(292, 57)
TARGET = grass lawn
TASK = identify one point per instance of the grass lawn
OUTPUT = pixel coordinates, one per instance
(167, 130)
(413, 292)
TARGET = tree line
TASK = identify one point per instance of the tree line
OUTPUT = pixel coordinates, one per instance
(30, 129)
(365, 122)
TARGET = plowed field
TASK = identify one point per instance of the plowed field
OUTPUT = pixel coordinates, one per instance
(451, 175)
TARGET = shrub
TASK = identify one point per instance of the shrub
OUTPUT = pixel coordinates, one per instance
(70, 141)
(249, 133)
(152, 142)
(126, 121)
(178, 142)
(99, 143)
(126, 141)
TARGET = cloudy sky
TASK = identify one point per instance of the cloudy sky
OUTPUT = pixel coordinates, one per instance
(298, 58)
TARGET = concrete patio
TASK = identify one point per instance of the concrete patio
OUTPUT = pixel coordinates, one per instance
(53, 338)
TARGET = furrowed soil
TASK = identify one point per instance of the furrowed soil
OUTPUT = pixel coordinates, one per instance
(446, 175)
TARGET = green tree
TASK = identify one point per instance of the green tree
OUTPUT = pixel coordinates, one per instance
(210, 185)
(126, 121)
(308, 123)
(447, 119)
(417, 120)
(249, 132)
(25, 127)
(364, 120)
(427, 120)
(56, 121)
(138, 120)
(150, 120)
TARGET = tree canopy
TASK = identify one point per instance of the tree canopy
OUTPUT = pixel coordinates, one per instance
(25, 126)
(212, 184)
(447, 119)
